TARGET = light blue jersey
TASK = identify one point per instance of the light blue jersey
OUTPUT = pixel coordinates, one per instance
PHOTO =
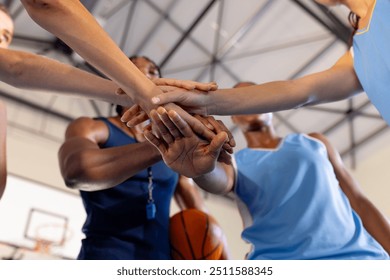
(371, 47)
(293, 208)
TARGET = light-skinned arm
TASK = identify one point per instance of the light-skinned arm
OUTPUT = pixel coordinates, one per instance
(70, 21)
(337, 83)
(30, 71)
(3, 157)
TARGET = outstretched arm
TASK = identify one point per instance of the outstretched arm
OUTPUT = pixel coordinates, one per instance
(30, 71)
(70, 21)
(338, 82)
(86, 166)
(373, 219)
(186, 153)
(3, 158)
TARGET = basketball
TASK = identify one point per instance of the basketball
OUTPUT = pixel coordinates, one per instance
(195, 235)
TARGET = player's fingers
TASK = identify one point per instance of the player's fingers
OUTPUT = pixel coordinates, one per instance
(173, 130)
(160, 127)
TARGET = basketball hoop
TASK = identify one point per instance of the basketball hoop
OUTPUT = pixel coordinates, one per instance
(49, 235)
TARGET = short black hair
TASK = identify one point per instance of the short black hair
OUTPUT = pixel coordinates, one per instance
(119, 108)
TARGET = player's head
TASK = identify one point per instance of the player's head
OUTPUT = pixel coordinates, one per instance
(146, 66)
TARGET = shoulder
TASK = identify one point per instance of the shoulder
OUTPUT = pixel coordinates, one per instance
(322, 138)
(318, 136)
(86, 127)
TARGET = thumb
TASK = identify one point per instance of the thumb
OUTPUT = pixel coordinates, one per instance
(217, 143)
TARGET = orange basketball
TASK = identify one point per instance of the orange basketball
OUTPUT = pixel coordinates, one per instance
(195, 235)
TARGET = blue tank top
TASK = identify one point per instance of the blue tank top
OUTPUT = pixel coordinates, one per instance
(116, 226)
(371, 47)
(293, 208)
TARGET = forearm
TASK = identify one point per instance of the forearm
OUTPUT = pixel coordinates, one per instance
(3, 158)
(269, 97)
(328, 86)
(374, 222)
(78, 28)
(24, 70)
(218, 181)
(98, 169)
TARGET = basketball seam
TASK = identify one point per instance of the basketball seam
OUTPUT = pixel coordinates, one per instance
(177, 252)
(187, 237)
(212, 251)
(205, 235)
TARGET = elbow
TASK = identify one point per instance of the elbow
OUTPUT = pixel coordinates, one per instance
(81, 180)
(81, 177)
(73, 178)
(73, 171)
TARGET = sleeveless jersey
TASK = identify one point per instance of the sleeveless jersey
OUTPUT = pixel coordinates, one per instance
(116, 226)
(371, 47)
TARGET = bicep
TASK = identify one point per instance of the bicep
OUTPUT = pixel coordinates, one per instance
(81, 135)
(336, 83)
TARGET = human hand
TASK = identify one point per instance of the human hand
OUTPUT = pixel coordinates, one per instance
(186, 84)
(209, 122)
(181, 149)
(193, 101)
(136, 115)
(218, 126)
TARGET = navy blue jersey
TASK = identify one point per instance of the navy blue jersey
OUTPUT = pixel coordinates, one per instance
(116, 226)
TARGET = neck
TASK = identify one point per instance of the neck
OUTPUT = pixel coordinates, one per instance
(359, 7)
(265, 137)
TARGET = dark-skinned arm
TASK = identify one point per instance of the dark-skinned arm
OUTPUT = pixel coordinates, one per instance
(86, 166)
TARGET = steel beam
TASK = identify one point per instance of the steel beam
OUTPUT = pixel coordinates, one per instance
(343, 37)
(163, 17)
(36, 107)
(126, 27)
(187, 33)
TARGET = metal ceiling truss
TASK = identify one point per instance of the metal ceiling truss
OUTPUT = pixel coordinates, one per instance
(235, 39)
(187, 32)
(163, 16)
(333, 24)
(36, 107)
